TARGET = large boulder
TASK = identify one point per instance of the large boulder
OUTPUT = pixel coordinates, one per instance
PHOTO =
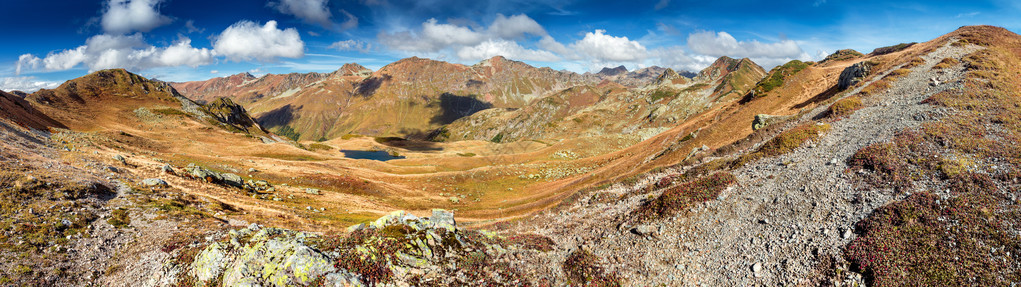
(233, 180)
(153, 182)
(853, 74)
(763, 120)
(204, 174)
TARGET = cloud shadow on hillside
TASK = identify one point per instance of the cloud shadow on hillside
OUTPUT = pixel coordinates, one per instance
(453, 107)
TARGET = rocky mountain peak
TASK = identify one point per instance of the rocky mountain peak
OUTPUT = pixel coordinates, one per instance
(607, 71)
(666, 77)
(352, 69)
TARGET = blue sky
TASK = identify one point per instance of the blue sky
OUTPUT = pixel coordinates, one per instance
(49, 42)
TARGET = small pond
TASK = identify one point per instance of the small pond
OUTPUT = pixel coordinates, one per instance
(373, 155)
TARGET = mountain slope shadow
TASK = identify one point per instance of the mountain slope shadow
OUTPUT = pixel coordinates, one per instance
(369, 86)
(453, 107)
(281, 116)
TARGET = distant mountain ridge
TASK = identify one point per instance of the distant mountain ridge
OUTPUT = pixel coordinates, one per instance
(427, 94)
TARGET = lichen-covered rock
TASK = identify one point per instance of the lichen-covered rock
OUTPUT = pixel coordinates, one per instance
(399, 249)
(233, 180)
(853, 75)
(267, 257)
(763, 120)
(153, 182)
(204, 174)
(442, 219)
(227, 179)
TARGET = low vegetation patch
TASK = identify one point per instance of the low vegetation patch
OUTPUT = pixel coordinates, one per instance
(785, 142)
(925, 240)
(498, 138)
(915, 62)
(845, 106)
(891, 49)
(288, 132)
(583, 269)
(884, 84)
(777, 76)
(169, 112)
(684, 196)
(319, 147)
(119, 218)
(843, 55)
(946, 63)
(660, 94)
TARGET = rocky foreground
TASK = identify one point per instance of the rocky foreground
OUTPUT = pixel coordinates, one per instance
(398, 247)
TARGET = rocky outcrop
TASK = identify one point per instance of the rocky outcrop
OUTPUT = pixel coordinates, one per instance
(670, 77)
(226, 111)
(853, 75)
(763, 120)
(397, 249)
(257, 256)
(225, 179)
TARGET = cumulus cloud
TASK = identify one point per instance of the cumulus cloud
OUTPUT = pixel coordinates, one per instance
(351, 45)
(516, 26)
(602, 47)
(312, 11)
(25, 84)
(247, 40)
(509, 49)
(548, 43)
(125, 16)
(434, 36)
(723, 44)
(676, 57)
(26, 61)
(119, 51)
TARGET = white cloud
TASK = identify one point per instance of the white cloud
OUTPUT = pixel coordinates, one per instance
(312, 11)
(119, 51)
(509, 49)
(65, 59)
(515, 26)
(548, 43)
(125, 16)
(183, 54)
(247, 40)
(25, 84)
(443, 35)
(602, 47)
(26, 61)
(351, 45)
(675, 57)
(434, 36)
(723, 44)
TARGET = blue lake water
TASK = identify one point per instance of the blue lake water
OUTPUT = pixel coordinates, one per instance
(373, 155)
